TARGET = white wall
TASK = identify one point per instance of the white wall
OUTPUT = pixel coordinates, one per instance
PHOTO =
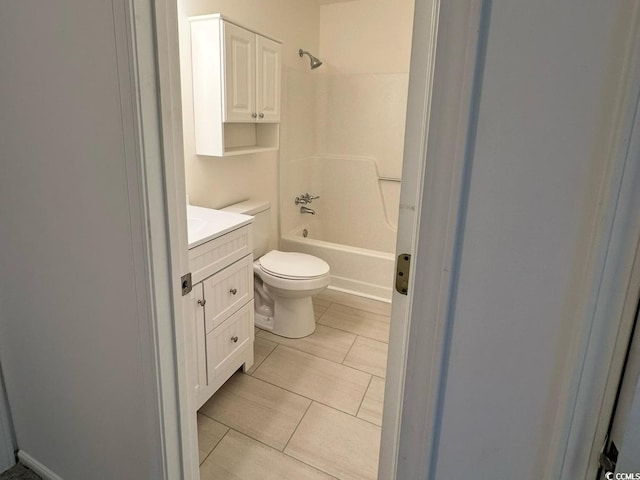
(550, 80)
(75, 331)
(7, 442)
(217, 182)
(366, 36)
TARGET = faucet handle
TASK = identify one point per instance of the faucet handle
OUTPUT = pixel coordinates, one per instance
(305, 198)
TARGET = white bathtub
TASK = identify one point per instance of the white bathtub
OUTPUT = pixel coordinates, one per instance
(364, 272)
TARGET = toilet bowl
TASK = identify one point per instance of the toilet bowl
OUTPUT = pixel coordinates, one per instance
(284, 282)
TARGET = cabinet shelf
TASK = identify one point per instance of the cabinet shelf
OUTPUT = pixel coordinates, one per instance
(245, 138)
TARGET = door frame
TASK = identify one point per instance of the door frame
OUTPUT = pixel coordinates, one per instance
(441, 113)
(445, 119)
(153, 49)
(446, 59)
(444, 177)
(613, 285)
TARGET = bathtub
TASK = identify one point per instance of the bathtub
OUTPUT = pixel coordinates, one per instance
(360, 271)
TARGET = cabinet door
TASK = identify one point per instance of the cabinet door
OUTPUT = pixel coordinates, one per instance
(268, 71)
(239, 74)
(225, 343)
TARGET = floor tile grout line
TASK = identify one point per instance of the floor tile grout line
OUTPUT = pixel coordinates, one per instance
(296, 429)
(216, 445)
(322, 358)
(303, 396)
(303, 461)
(321, 403)
(312, 400)
(263, 360)
(359, 334)
(229, 429)
(349, 351)
(315, 355)
(363, 397)
(309, 398)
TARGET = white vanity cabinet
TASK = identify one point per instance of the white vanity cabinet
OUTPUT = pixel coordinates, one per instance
(222, 301)
(236, 87)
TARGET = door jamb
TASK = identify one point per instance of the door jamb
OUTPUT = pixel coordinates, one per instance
(154, 57)
(598, 360)
(446, 61)
(603, 340)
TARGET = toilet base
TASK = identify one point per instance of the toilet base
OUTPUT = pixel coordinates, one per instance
(292, 318)
(263, 322)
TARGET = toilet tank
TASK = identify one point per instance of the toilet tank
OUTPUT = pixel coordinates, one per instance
(261, 211)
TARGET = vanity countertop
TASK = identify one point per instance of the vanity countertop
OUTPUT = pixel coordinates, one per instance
(204, 224)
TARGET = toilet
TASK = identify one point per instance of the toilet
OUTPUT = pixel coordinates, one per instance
(284, 282)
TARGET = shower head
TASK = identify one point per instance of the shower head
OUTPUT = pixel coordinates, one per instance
(315, 62)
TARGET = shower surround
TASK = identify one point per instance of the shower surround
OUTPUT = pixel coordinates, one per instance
(343, 140)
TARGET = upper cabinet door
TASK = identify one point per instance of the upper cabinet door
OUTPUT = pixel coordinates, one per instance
(268, 68)
(239, 74)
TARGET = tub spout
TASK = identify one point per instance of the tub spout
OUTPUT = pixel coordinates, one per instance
(304, 209)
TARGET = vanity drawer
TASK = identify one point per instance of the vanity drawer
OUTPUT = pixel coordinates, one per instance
(213, 256)
(235, 334)
(226, 291)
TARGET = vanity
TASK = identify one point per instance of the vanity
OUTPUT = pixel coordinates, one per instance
(222, 321)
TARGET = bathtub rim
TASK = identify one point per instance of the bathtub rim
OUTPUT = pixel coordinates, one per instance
(343, 284)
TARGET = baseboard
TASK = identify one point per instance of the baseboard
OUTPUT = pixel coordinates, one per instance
(37, 467)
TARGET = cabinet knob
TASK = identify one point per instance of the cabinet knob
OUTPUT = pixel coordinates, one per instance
(261, 115)
(254, 115)
(202, 302)
(233, 291)
(234, 339)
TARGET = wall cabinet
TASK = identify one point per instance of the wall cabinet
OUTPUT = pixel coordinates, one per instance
(223, 313)
(236, 87)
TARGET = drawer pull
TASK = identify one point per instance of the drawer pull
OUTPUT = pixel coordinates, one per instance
(233, 291)
(234, 339)
(202, 302)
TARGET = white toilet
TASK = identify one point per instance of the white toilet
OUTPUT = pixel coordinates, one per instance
(283, 281)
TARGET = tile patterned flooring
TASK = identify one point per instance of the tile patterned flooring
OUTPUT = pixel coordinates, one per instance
(309, 408)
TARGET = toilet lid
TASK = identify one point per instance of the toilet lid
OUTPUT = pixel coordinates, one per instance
(293, 265)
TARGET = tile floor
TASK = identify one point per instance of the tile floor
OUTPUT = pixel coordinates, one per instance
(309, 408)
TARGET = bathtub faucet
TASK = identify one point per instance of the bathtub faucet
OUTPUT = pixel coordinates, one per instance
(304, 209)
(305, 198)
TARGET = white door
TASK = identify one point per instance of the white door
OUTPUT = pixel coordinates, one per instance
(268, 66)
(239, 74)
(623, 445)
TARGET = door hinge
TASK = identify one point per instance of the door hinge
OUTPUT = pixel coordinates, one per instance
(402, 273)
(185, 281)
(608, 458)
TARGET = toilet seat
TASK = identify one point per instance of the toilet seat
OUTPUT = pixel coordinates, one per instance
(293, 265)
